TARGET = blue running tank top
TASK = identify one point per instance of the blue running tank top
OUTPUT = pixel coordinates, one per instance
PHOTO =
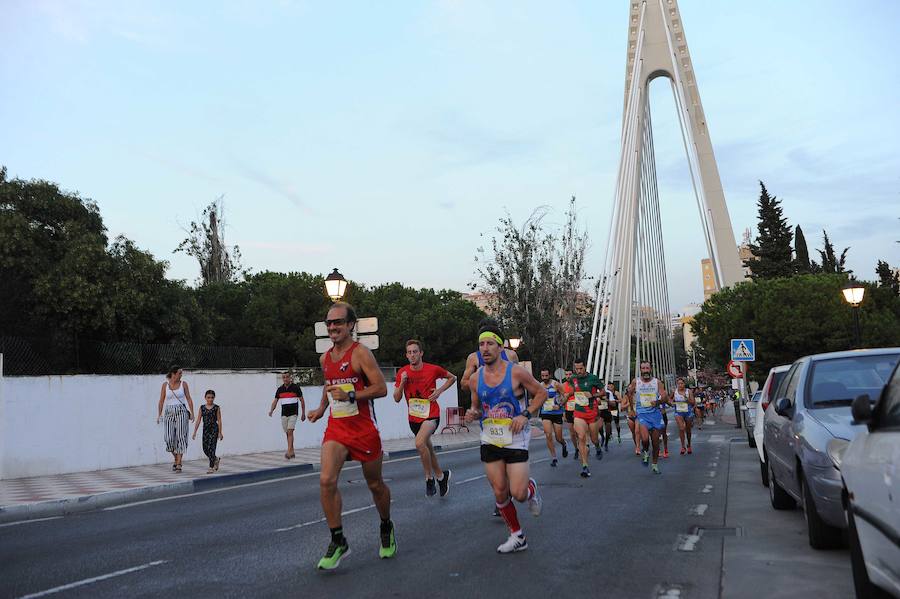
(499, 405)
(551, 405)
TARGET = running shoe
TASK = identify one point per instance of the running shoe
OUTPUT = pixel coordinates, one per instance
(553, 463)
(444, 485)
(565, 450)
(334, 555)
(619, 440)
(497, 512)
(645, 458)
(666, 453)
(536, 503)
(576, 453)
(585, 472)
(683, 451)
(690, 450)
(599, 454)
(430, 488)
(388, 543)
(655, 468)
(515, 542)
(637, 451)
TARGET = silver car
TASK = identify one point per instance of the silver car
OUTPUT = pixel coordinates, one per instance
(811, 409)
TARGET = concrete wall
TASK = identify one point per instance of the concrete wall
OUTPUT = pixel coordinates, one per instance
(60, 424)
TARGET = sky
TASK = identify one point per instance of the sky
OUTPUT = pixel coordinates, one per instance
(387, 139)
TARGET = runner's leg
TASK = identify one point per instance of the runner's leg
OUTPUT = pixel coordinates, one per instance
(548, 435)
(581, 432)
(679, 420)
(381, 494)
(426, 450)
(654, 438)
(333, 457)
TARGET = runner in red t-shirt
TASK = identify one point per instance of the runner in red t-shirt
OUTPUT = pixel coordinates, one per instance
(418, 381)
(352, 381)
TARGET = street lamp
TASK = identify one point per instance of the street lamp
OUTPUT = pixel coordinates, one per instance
(854, 293)
(514, 343)
(335, 285)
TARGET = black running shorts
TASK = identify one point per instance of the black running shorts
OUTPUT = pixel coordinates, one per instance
(492, 453)
(554, 418)
(415, 426)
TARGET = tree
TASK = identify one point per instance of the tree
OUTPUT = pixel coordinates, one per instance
(831, 263)
(206, 243)
(887, 277)
(802, 264)
(772, 250)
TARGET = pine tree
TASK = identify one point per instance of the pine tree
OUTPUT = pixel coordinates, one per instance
(801, 252)
(831, 263)
(887, 277)
(772, 250)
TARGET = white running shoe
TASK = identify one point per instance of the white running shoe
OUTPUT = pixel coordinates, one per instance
(515, 542)
(535, 504)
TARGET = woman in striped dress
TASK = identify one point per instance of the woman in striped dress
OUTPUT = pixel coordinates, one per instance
(175, 396)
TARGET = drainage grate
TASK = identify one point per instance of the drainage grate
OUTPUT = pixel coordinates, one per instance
(718, 531)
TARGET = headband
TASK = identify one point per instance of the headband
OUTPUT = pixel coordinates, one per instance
(492, 336)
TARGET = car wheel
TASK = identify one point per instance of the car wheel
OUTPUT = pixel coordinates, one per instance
(861, 583)
(777, 495)
(751, 440)
(821, 534)
(764, 473)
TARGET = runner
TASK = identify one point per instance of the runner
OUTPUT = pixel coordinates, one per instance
(568, 391)
(353, 381)
(648, 393)
(418, 381)
(700, 409)
(551, 416)
(290, 396)
(498, 402)
(684, 413)
(585, 388)
(615, 401)
(628, 406)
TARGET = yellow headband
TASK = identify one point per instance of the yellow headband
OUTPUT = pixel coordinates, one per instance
(491, 336)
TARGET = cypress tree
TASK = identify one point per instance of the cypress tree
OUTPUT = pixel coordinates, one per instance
(772, 250)
(801, 252)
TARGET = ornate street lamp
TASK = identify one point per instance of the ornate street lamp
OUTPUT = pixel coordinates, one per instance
(854, 293)
(335, 285)
(514, 343)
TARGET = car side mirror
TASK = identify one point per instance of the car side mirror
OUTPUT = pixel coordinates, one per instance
(861, 409)
(783, 407)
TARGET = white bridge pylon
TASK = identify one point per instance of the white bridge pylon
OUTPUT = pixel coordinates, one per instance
(632, 317)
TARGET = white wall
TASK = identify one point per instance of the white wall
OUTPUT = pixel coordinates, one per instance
(60, 424)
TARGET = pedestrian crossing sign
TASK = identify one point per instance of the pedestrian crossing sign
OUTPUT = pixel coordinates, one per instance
(743, 350)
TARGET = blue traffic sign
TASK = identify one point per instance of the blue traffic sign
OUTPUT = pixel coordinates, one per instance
(743, 350)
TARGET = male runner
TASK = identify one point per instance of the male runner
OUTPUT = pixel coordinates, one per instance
(551, 416)
(418, 381)
(498, 401)
(585, 388)
(568, 394)
(700, 408)
(628, 405)
(684, 413)
(290, 396)
(352, 381)
(648, 393)
(614, 401)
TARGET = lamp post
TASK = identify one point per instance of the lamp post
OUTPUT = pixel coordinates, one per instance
(514, 343)
(853, 294)
(335, 285)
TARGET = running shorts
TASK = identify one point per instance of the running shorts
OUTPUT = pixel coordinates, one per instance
(416, 426)
(554, 418)
(685, 415)
(362, 447)
(570, 417)
(606, 415)
(589, 417)
(651, 420)
(492, 453)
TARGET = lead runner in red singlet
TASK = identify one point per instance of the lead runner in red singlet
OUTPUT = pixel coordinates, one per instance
(352, 381)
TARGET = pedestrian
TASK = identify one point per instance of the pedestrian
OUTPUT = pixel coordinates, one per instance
(290, 396)
(175, 395)
(211, 416)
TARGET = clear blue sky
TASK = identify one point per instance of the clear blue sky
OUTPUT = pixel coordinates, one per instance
(385, 138)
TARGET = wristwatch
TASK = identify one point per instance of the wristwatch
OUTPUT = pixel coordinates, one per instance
(351, 395)
(526, 414)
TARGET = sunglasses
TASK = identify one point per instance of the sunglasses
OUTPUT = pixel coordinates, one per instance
(335, 322)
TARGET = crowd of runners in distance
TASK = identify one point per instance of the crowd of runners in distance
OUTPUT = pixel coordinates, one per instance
(504, 398)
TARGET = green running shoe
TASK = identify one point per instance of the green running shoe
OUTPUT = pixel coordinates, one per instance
(388, 544)
(334, 555)
(655, 468)
(645, 457)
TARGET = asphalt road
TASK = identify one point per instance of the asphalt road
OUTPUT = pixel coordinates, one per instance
(624, 532)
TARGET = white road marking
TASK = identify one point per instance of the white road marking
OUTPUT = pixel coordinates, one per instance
(668, 593)
(699, 510)
(717, 438)
(706, 489)
(687, 542)
(267, 482)
(714, 464)
(73, 585)
(320, 520)
(712, 473)
(29, 521)
(474, 478)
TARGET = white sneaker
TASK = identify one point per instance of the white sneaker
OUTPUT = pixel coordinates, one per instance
(515, 542)
(535, 504)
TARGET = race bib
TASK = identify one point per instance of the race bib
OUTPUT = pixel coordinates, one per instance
(681, 406)
(419, 408)
(549, 405)
(615, 413)
(497, 431)
(647, 400)
(582, 399)
(604, 405)
(570, 405)
(343, 409)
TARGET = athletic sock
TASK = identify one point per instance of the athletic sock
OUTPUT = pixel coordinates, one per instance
(508, 511)
(531, 490)
(443, 475)
(337, 535)
(386, 525)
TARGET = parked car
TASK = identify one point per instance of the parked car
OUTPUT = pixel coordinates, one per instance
(812, 408)
(749, 412)
(870, 469)
(769, 388)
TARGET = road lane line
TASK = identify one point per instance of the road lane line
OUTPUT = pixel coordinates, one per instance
(73, 585)
(687, 542)
(706, 489)
(29, 521)
(699, 510)
(712, 473)
(474, 478)
(320, 520)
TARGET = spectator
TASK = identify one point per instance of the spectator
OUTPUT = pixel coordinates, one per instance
(290, 395)
(175, 395)
(211, 415)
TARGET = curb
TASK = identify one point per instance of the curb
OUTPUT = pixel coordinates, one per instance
(86, 503)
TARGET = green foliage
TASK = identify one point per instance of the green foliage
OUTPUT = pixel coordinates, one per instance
(887, 277)
(802, 265)
(772, 250)
(792, 317)
(831, 262)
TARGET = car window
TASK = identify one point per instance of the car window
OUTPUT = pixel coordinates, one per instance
(777, 377)
(788, 386)
(838, 381)
(889, 407)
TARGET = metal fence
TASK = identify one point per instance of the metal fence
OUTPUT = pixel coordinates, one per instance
(34, 356)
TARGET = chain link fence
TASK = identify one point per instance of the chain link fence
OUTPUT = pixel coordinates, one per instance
(35, 356)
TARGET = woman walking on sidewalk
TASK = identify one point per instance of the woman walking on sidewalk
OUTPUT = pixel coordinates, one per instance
(179, 410)
(211, 415)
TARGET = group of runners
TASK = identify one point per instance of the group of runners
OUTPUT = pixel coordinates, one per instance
(504, 399)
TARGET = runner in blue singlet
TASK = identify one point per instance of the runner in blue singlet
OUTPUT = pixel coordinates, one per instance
(551, 416)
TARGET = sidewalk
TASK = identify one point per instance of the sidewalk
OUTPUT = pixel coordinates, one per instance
(57, 495)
